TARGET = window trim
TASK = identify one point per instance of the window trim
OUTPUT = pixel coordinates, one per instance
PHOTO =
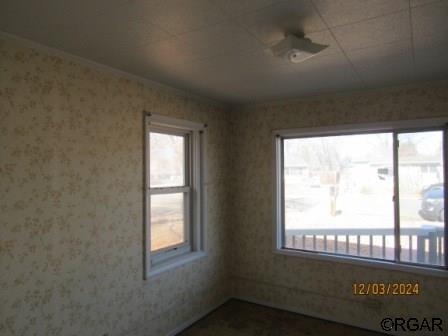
(352, 129)
(193, 247)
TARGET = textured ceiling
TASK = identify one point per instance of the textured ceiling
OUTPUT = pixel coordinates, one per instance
(219, 48)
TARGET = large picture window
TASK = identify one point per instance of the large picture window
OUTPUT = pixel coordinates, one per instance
(375, 194)
(174, 193)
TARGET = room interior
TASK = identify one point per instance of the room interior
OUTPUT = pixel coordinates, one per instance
(81, 82)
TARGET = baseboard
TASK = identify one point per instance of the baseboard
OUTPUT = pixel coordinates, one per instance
(298, 311)
(196, 318)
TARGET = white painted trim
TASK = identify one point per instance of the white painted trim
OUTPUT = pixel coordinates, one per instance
(174, 263)
(344, 129)
(196, 318)
(302, 312)
(171, 257)
(277, 202)
(394, 126)
(356, 261)
(160, 120)
(106, 68)
(169, 190)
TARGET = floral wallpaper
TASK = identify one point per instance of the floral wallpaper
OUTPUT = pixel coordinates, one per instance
(318, 288)
(71, 202)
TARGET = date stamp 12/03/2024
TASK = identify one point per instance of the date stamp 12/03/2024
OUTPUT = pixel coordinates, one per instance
(396, 324)
(386, 288)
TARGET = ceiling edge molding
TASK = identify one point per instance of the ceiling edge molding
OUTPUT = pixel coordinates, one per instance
(111, 70)
(231, 107)
(355, 92)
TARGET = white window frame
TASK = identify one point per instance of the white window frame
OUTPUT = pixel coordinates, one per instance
(278, 203)
(194, 217)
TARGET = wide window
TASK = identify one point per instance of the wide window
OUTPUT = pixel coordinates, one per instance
(174, 195)
(374, 194)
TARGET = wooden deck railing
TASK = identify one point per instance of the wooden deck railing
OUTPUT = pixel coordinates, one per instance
(429, 242)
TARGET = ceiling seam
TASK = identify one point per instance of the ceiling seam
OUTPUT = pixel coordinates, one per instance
(364, 20)
(426, 4)
(151, 23)
(236, 17)
(171, 35)
(264, 46)
(339, 45)
(258, 9)
(261, 45)
(411, 24)
(225, 17)
(233, 19)
(204, 27)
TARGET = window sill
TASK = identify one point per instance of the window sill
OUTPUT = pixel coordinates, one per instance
(385, 265)
(174, 263)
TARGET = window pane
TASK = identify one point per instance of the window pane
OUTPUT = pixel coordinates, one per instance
(338, 194)
(422, 203)
(167, 220)
(167, 160)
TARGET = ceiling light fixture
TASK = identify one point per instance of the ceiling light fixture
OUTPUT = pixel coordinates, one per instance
(296, 49)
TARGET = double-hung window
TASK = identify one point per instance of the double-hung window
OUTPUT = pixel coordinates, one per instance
(363, 192)
(174, 192)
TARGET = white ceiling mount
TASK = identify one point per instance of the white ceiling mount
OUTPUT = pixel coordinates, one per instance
(296, 49)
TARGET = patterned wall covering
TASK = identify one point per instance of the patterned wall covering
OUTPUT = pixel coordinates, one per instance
(71, 185)
(71, 205)
(317, 287)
